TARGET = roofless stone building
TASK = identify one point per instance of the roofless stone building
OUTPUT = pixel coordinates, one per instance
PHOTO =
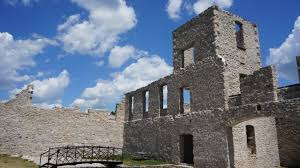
(219, 108)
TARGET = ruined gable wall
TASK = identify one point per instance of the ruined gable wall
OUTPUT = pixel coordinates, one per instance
(29, 131)
(24, 98)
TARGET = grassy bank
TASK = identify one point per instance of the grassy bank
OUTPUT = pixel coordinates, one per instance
(7, 161)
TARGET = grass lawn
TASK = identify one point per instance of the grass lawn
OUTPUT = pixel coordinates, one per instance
(7, 161)
(129, 161)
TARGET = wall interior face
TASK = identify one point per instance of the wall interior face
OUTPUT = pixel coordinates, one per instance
(267, 154)
(188, 57)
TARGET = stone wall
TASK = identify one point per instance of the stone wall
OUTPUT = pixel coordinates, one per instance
(160, 136)
(198, 78)
(264, 150)
(238, 60)
(29, 131)
(261, 86)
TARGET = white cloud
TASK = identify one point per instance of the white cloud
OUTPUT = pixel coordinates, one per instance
(17, 55)
(24, 2)
(202, 5)
(119, 55)
(283, 57)
(138, 74)
(48, 91)
(99, 63)
(173, 9)
(48, 106)
(106, 21)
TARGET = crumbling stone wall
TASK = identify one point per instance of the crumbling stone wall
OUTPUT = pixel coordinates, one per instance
(196, 77)
(29, 131)
(261, 86)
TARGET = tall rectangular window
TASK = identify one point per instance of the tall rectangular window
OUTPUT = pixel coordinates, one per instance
(185, 100)
(164, 97)
(146, 101)
(131, 104)
(239, 34)
(251, 138)
(188, 57)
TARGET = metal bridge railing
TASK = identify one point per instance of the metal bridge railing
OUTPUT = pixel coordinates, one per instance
(72, 155)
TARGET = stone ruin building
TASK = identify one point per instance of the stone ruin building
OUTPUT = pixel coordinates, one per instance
(219, 108)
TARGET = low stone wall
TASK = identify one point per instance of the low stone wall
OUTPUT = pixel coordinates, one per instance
(29, 131)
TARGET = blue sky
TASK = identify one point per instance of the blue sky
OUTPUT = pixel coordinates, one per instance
(88, 53)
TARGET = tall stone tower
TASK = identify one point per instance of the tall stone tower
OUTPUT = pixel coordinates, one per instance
(217, 34)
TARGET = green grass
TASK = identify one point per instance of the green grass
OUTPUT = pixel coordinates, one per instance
(129, 161)
(7, 161)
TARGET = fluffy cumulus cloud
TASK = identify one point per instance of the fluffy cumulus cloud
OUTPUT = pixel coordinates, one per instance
(17, 55)
(119, 55)
(106, 21)
(173, 9)
(283, 57)
(47, 92)
(174, 6)
(138, 74)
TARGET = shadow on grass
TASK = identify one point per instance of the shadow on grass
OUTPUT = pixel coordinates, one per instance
(7, 161)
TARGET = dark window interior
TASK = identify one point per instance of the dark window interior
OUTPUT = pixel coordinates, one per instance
(186, 149)
(239, 33)
(251, 138)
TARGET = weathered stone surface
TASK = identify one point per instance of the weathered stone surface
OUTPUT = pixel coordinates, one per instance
(229, 91)
(27, 130)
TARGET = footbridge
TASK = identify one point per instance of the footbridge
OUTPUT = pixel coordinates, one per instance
(74, 155)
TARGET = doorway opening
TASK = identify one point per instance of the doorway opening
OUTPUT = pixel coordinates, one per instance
(186, 149)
